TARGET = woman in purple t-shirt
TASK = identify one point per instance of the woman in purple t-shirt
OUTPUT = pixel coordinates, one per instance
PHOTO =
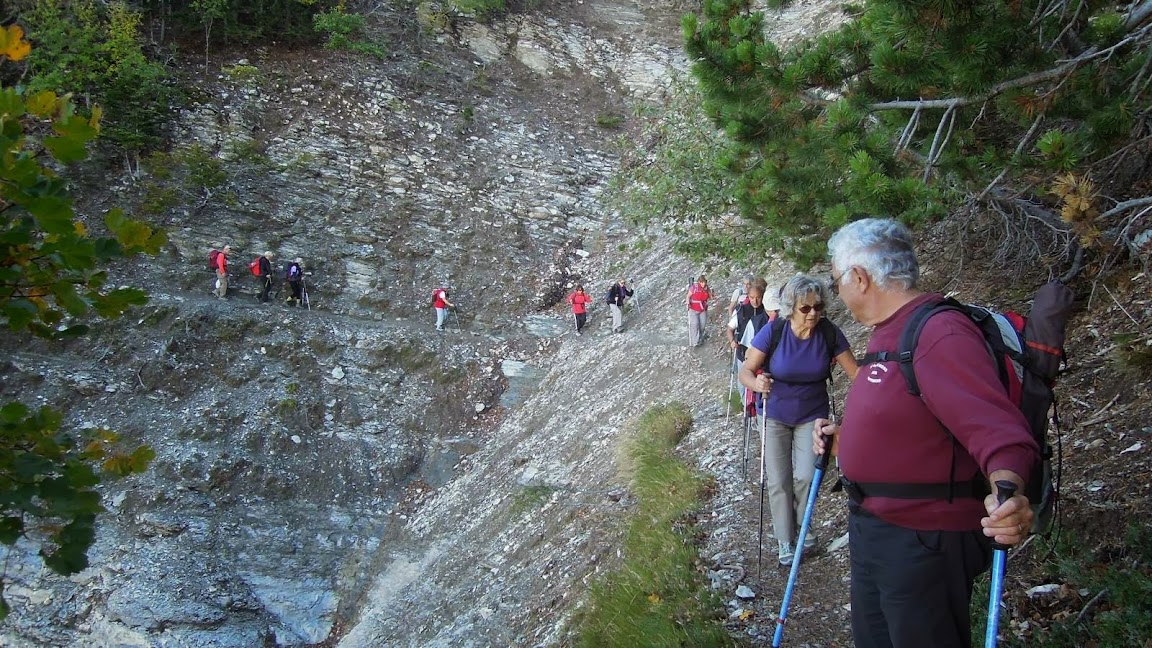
(796, 356)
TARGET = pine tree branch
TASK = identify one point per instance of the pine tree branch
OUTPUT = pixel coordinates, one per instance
(938, 144)
(1068, 29)
(1065, 67)
(1033, 211)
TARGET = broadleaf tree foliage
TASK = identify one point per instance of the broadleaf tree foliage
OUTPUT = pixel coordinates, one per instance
(1033, 112)
(51, 281)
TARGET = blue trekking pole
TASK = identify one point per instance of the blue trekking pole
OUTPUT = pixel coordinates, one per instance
(1004, 491)
(813, 491)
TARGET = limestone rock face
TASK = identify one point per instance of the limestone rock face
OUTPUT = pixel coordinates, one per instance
(340, 471)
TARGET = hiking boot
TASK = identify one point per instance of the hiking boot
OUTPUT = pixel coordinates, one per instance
(439, 328)
(810, 541)
(577, 332)
(787, 554)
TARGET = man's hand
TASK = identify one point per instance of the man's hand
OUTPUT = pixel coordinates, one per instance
(1008, 523)
(822, 431)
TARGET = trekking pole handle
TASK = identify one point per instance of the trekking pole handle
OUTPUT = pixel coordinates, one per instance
(1004, 492)
(826, 456)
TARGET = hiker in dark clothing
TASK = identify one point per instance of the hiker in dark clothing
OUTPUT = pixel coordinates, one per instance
(616, 296)
(295, 277)
(750, 313)
(917, 468)
(265, 276)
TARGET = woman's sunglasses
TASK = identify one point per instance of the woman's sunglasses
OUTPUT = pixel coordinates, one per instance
(818, 307)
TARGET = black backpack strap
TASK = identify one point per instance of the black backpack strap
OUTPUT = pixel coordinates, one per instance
(829, 331)
(777, 332)
(975, 488)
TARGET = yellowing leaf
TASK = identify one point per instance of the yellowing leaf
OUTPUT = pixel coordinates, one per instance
(746, 614)
(12, 43)
(42, 104)
(81, 230)
(653, 598)
(97, 113)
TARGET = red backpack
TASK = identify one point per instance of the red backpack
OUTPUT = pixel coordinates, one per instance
(255, 266)
(213, 260)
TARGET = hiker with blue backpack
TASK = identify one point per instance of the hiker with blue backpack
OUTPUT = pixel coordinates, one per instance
(294, 275)
(929, 444)
(790, 363)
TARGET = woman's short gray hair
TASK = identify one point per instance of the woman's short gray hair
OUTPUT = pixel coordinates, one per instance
(881, 246)
(798, 288)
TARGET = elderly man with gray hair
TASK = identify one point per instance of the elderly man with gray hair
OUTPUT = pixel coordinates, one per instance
(920, 470)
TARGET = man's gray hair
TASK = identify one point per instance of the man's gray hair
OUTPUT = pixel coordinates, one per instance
(882, 247)
(797, 289)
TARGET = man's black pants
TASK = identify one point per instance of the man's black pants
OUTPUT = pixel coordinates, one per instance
(266, 290)
(912, 589)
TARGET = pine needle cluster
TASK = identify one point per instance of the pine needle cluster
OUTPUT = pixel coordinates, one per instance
(914, 108)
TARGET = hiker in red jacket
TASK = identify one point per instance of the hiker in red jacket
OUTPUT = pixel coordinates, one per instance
(441, 304)
(579, 301)
(222, 272)
(697, 302)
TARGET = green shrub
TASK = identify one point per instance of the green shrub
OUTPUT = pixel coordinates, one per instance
(342, 31)
(608, 120)
(1120, 574)
(94, 50)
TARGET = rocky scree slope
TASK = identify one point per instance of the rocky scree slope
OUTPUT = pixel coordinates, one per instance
(345, 475)
(291, 443)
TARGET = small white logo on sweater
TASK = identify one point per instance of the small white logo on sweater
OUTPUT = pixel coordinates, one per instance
(874, 370)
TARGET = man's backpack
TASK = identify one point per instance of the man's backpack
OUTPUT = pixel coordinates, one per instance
(214, 260)
(1028, 354)
(254, 267)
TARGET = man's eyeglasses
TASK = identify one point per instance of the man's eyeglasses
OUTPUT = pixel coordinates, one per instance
(834, 285)
(818, 307)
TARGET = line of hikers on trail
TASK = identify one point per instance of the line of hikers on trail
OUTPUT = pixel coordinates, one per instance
(618, 293)
(942, 445)
(293, 275)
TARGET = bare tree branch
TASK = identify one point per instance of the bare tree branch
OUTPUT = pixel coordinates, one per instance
(1019, 149)
(1126, 205)
(1139, 14)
